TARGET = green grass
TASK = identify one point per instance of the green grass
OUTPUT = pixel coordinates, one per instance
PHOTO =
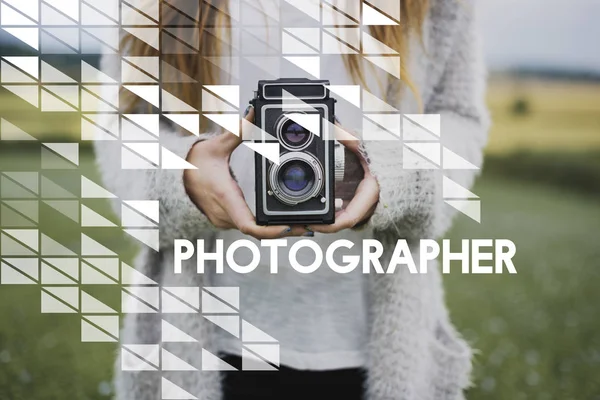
(537, 332)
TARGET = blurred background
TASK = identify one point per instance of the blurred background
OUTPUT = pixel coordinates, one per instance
(537, 333)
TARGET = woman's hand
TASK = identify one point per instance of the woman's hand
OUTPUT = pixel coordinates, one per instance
(366, 196)
(214, 191)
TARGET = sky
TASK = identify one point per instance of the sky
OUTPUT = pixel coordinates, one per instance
(549, 33)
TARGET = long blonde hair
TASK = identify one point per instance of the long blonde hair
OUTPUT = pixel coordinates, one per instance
(205, 72)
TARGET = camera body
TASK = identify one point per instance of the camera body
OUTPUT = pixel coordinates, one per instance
(301, 189)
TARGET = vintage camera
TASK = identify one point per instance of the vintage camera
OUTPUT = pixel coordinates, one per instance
(301, 189)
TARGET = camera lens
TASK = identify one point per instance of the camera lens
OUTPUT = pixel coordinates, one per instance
(297, 176)
(293, 135)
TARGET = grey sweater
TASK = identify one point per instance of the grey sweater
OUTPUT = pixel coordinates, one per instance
(413, 352)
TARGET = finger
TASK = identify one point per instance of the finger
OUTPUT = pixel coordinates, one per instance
(231, 140)
(341, 134)
(234, 204)
(357, 210)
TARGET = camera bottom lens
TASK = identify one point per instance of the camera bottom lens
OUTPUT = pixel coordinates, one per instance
(298, 178)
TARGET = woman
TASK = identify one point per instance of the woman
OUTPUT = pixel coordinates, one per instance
(374, 337)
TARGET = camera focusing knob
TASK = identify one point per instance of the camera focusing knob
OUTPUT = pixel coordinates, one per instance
(340, 158)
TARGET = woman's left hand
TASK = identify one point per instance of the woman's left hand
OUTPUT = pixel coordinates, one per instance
(365, 199)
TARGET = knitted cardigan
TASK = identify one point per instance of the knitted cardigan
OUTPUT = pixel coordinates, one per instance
(414, 352)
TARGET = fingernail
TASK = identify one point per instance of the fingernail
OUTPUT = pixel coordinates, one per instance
(286, 231)
(308, 228)
(247, 111)
(309, 234)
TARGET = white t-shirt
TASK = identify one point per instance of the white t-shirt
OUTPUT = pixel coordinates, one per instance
(319, 319)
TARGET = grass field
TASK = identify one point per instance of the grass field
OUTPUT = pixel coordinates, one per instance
(537, 332)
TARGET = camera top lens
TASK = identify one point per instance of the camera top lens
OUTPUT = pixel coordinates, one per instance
(293, 135)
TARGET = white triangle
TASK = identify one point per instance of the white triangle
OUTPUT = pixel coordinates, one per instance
(190, 122)
(147, 236)
(108, 7)
(11, 74)
(370, 45)
(452, 160)
(269, 352)
(91, 334)
(13, 132)
(68, 294)
(131, 305)
(91, 190)
(210, 362)
(189, 294)
(27, 64)
(251, 333)
(130, 276)
(90, 247)
(170, 391)
(29, 36)
(50, 305)
(229, 93)
(267, 150)
(230, 295)
(91, 276)
(171, 103)
(70, 151)
(311, 36)
(51, 276)
(28, 7)
(170, 160)
(452, 190)
(67, 7)
(312, 65)
(348, 35)
(212, 103)
(28, 93)
(69, 266)
(170, 362)
(147, 150)
(333, 17)
(67, 93)
(250, 362)
(230, 323)
(149, 65)
(231, 122)
(414, 132)
(53, 75)
(147, 35)
(90, 304)
(412, 160)
(172, 305)
(372, 132)
(312, 122)
(350, 93)
(371, 103)
(291, 45)
(150, 93)
(12, 276)
(28, 237)
(108, 265)
(11, 17)
(211, 305)
(132, 219)
(471, 208)
(89, 16)
(149, 208)
(149, 122)
(431, 122)
(431, 151)
(172, 334)
(389, 122)
(388, 64)
(90, 131)
(28, 266)
(90, 74)
(130, 362)
(109, 323)
(132, 75)
(371, 16)
(132, 132)
(312, 8)
(50, 247)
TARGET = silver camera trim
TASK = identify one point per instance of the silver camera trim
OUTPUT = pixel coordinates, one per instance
(279, 127)
(264, 91)
(280, 192)
(324, 134)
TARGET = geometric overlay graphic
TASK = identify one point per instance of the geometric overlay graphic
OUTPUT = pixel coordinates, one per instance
(48, 32)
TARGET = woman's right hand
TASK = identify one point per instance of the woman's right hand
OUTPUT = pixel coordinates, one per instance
(214, 191)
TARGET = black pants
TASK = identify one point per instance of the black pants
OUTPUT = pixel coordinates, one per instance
(291, 384)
